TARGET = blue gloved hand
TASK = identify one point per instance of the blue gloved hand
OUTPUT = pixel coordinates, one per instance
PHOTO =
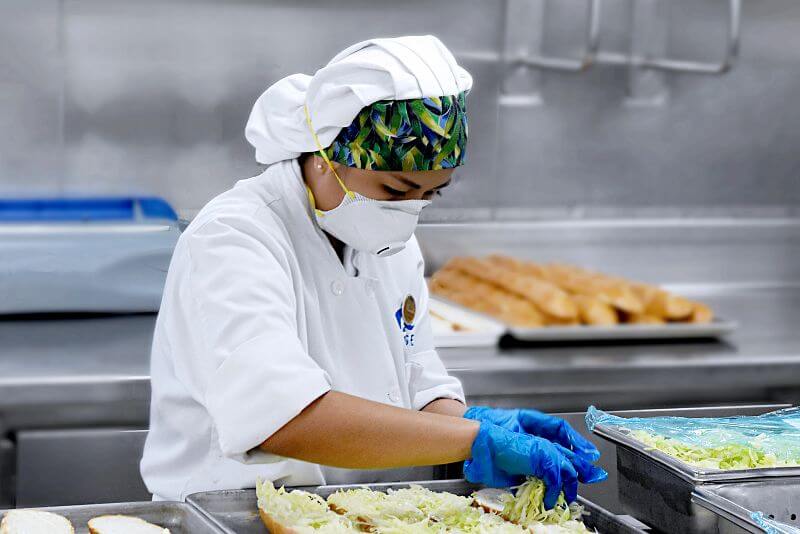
(538, 424)
(501, 458)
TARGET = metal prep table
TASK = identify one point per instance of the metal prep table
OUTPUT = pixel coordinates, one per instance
(78, 389)
(66, 384)
(95, 371)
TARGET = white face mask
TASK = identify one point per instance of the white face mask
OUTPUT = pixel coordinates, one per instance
(381, 227)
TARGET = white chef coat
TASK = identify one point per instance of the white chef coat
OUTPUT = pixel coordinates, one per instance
(259, 318)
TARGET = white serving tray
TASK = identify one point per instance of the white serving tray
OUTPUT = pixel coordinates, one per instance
(717, 328)
(482, 331)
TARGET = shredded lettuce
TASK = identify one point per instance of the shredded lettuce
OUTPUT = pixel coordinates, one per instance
(417, 510)
(442, 508)
(374, 507)
(303, 511)
(526, 508)
(724, 456)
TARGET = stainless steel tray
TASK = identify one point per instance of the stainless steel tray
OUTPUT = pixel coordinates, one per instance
(689, 473)
(733, 504)
(178, 517)
(657, 488)
(716, 328)
(236, 511)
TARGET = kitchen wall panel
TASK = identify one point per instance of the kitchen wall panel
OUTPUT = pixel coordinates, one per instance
(30, 97)
(158, 92)
(597, 143)
(151, 97)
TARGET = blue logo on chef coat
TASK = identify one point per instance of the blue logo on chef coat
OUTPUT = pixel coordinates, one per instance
(404, 316)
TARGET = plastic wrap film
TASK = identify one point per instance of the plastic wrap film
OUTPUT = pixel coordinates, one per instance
(771, 526)
(739, 442)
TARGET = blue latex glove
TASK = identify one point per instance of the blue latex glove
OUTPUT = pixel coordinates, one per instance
(501, 458)
(538, 424)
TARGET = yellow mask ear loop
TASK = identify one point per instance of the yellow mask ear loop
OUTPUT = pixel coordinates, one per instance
(327, 160)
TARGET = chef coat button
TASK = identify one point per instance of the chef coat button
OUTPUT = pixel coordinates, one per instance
(337, 287)
(394, 396)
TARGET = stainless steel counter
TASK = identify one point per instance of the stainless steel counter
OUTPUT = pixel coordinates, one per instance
(760, 362)
(75, 371)
(95, 370)
(72, 390)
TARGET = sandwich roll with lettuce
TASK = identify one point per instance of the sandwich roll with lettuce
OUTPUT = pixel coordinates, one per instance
(417, 510)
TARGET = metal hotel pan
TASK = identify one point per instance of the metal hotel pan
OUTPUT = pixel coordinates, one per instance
(236, 511)
(178, 517)
(657, 488)
(733, 504)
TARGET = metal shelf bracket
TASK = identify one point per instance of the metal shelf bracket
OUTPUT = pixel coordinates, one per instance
(685, 66)
(592, 55)
(592, 39)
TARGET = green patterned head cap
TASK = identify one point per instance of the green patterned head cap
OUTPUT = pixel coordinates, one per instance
(422, 134)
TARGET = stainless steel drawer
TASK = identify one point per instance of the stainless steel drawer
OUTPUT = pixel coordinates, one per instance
(79, 466)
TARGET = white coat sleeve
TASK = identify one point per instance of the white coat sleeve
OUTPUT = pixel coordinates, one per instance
(260, 376)
(428, 377)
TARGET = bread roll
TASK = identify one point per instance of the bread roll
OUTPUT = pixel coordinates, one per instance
(546, 296)
(613, 292)
(34, 522)
(525, 293)
(643, 318)
(123, 524)
(645, 292)
(484, 297)
(701, 313)
(273, 525)
(668, 306)
(524, 267)
(595, 312)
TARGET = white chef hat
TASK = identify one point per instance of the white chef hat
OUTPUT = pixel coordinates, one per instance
(400, 68)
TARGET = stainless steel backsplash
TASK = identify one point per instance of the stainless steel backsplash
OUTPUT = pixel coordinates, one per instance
(151, 97)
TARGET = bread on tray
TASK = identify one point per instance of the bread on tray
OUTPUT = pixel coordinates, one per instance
(416, 509)
(530, 295)
(34, 522)
(123, 524)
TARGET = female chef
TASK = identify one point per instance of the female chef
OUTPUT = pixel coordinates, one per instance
(294, 342)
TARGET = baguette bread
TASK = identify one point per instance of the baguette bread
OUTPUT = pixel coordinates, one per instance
(549, 320)
(614, 292)
(34, 522)
(529, 268)
(643, 318)
(701, 313)
(484, 297)
(645, 292)
(547, 297)
(526, 294)
(669, 307)
(123, 524)
(595, 312)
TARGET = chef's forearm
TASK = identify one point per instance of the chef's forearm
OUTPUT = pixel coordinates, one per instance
(449, 407)
(341, 430)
